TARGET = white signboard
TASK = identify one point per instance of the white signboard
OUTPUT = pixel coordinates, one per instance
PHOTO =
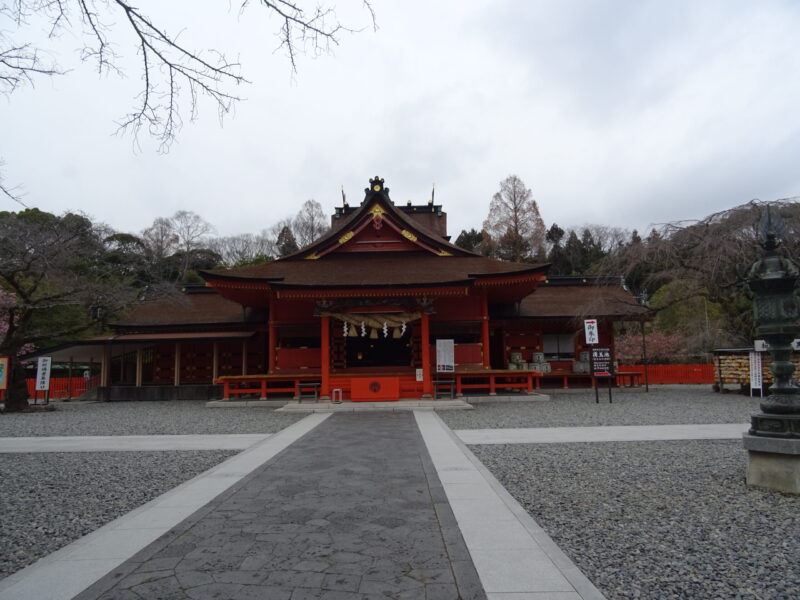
(420, 375)
(755, 372)
(592, 334)
(43, 373)
(445, 356)
(761, 346)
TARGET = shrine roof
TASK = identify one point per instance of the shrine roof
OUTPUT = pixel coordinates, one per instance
(375, 269)
(377, 245)
(191, 307)
(578, 297)
(400, 215)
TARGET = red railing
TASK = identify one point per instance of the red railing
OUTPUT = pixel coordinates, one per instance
(698, 373)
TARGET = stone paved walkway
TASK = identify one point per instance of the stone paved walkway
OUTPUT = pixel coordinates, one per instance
(352, 511)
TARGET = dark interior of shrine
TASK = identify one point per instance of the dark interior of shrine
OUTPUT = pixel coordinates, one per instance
(379, 352)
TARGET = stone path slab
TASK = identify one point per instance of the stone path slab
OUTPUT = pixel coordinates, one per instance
(398, 406)
(353, 511)
(617, 433)
(122, 443)
(65, 573)
(514, 557)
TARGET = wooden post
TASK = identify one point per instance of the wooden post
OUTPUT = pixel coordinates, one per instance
(244, 357)
(273, 342)
(177, 377)
(215, 362)
(139, 361)
(485, 330)
(425, 334)
(644, 357)
(69, 378)
(105, 366)
(325, 357)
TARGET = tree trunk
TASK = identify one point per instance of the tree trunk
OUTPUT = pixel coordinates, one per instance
(17, 392)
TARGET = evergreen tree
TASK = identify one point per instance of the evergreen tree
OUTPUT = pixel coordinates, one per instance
(286, 242)
(471, 240)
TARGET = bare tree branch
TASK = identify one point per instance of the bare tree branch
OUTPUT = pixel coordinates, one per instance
(168, 67)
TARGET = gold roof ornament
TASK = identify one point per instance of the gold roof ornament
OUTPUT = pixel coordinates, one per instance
(377, 212)
(408, 235)
(346, 237)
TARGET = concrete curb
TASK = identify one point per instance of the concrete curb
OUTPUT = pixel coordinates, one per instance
(609, 433)
(130, 443)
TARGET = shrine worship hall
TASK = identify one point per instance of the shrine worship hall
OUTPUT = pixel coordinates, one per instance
(358, 316)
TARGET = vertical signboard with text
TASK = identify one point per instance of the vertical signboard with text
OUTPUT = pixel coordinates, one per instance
(4, 362)
(756, 379)
(591, 332)
(43, 373)
(445, 356)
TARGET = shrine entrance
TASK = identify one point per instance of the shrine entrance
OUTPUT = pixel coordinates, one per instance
(379, 352)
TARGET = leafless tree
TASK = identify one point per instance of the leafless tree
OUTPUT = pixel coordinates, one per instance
(160, 240)
(310, 223)
(707, 259)
(192, 233)
(514, 223)
(245, 248)
(170, 70)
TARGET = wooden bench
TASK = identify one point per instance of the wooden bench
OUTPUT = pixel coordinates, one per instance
(444, 384)
(304, 386)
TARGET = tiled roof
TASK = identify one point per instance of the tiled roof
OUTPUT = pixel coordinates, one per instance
(577, 300)
(184, 309)
(375, 269)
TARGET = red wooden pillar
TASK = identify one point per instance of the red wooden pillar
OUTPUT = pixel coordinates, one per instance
(485, 330)
(272, 339)
(325, 357)
(425, 341)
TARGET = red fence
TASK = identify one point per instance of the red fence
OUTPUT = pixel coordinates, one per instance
(63, 387)
(699, 373)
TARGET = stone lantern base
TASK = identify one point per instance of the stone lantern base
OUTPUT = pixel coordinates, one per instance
(773, 462)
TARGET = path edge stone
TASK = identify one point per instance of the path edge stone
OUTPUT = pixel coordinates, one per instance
(59, 576)
(568, 568)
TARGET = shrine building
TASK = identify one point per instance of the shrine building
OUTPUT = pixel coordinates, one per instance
(358, 315)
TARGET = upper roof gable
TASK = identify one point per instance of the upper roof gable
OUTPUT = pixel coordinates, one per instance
(378, 225)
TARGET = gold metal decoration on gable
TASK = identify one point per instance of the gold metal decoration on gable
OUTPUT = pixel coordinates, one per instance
(376, 187)
(444, 253)
(312, 256)
(408, 235)
(377, 212)
(347, 236)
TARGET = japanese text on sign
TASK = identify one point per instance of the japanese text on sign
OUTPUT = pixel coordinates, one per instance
(43, 373)
(601, 362)
(590, 328)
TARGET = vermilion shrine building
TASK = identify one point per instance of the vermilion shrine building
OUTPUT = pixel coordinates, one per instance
(360, 311)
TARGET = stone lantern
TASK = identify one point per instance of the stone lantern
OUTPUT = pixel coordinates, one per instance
(773, 441)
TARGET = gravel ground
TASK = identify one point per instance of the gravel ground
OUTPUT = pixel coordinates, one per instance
(143, 418)
(663, 405)
(50, 500)
(658, 519)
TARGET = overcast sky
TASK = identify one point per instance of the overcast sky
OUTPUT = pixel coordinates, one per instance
(622, 113)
